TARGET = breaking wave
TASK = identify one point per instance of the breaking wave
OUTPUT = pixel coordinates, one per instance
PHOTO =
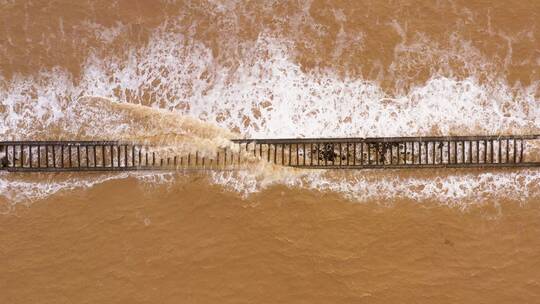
(174, 87)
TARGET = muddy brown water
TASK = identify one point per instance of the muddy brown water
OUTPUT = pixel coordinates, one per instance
(190, 240)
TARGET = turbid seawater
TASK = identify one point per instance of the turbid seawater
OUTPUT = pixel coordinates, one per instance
(198, 73)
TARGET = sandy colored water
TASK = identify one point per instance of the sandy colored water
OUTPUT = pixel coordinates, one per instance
(196, 73)
(357, 38)
(110, 244)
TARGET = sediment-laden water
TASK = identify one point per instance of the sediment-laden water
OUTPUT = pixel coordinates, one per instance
(201, 72)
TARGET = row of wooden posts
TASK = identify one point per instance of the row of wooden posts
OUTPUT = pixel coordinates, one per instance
(316, 153)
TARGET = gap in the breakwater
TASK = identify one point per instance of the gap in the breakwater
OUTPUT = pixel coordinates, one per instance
(309, 153)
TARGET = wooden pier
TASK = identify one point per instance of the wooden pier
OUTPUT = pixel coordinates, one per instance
(308, 153)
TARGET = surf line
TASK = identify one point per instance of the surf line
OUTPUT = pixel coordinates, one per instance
(483, 151)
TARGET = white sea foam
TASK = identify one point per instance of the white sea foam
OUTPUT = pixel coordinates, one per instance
(268, 95)
(459, 190)
(18, 190)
